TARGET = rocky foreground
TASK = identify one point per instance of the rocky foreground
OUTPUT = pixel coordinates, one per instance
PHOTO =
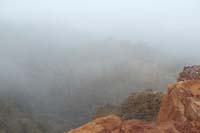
(179, 113)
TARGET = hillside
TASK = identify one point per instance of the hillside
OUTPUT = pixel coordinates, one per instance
(65, 85)
(13, 119)
(179, 112)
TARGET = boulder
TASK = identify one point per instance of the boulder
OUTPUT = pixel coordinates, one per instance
(181, 103)
(190, 73)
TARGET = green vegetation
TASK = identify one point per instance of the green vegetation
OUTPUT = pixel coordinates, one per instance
(142, 105)
(15, 120)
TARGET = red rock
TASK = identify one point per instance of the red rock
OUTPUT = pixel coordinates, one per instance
(106, 124)
(181, 106)
(179, 113)
(181, 103)
(190, 73)
(136, 126)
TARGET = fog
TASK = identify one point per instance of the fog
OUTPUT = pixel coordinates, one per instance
(172, 24)
(60, 56)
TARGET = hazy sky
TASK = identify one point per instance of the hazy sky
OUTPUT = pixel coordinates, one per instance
(70, 54)
(167, 23)
(33, 33)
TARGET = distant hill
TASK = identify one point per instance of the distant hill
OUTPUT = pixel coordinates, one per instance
(64, 76)
(14, 120)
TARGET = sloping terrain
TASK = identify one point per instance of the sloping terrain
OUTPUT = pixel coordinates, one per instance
(67, 83)
(13, 119)
(179, 113)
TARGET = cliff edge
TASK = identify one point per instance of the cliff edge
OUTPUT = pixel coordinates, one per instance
(179, 113)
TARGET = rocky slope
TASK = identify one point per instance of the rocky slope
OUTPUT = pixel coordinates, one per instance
(190, 73)
(179, 113)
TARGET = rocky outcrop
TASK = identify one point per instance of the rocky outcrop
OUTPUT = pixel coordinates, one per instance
(181, 103)
(114, 124)
(190, 73)
(109, 123)
(181, 106)
(179, 112)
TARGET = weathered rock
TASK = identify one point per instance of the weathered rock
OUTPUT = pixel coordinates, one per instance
(190, 73)
(136, 126)
(106, 124)
(113, 124)
(179, 113)
(181, 106)
(181, 103)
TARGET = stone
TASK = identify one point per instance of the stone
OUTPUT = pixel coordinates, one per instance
(179, 111)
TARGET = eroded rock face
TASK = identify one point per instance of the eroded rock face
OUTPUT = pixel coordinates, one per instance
(181, 103)
(114, 124)
(179, 113)
(108, 124)
(181, 106)
(190, 73)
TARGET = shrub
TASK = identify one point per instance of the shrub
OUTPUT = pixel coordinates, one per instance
(142, 105)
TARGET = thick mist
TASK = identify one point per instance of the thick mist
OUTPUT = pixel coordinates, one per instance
(67, 57)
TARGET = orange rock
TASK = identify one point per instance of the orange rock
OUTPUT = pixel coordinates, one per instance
(106, 124)
(181, 103)
(136, 126)
(114, 124)
(190, 73)
(179, 113)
